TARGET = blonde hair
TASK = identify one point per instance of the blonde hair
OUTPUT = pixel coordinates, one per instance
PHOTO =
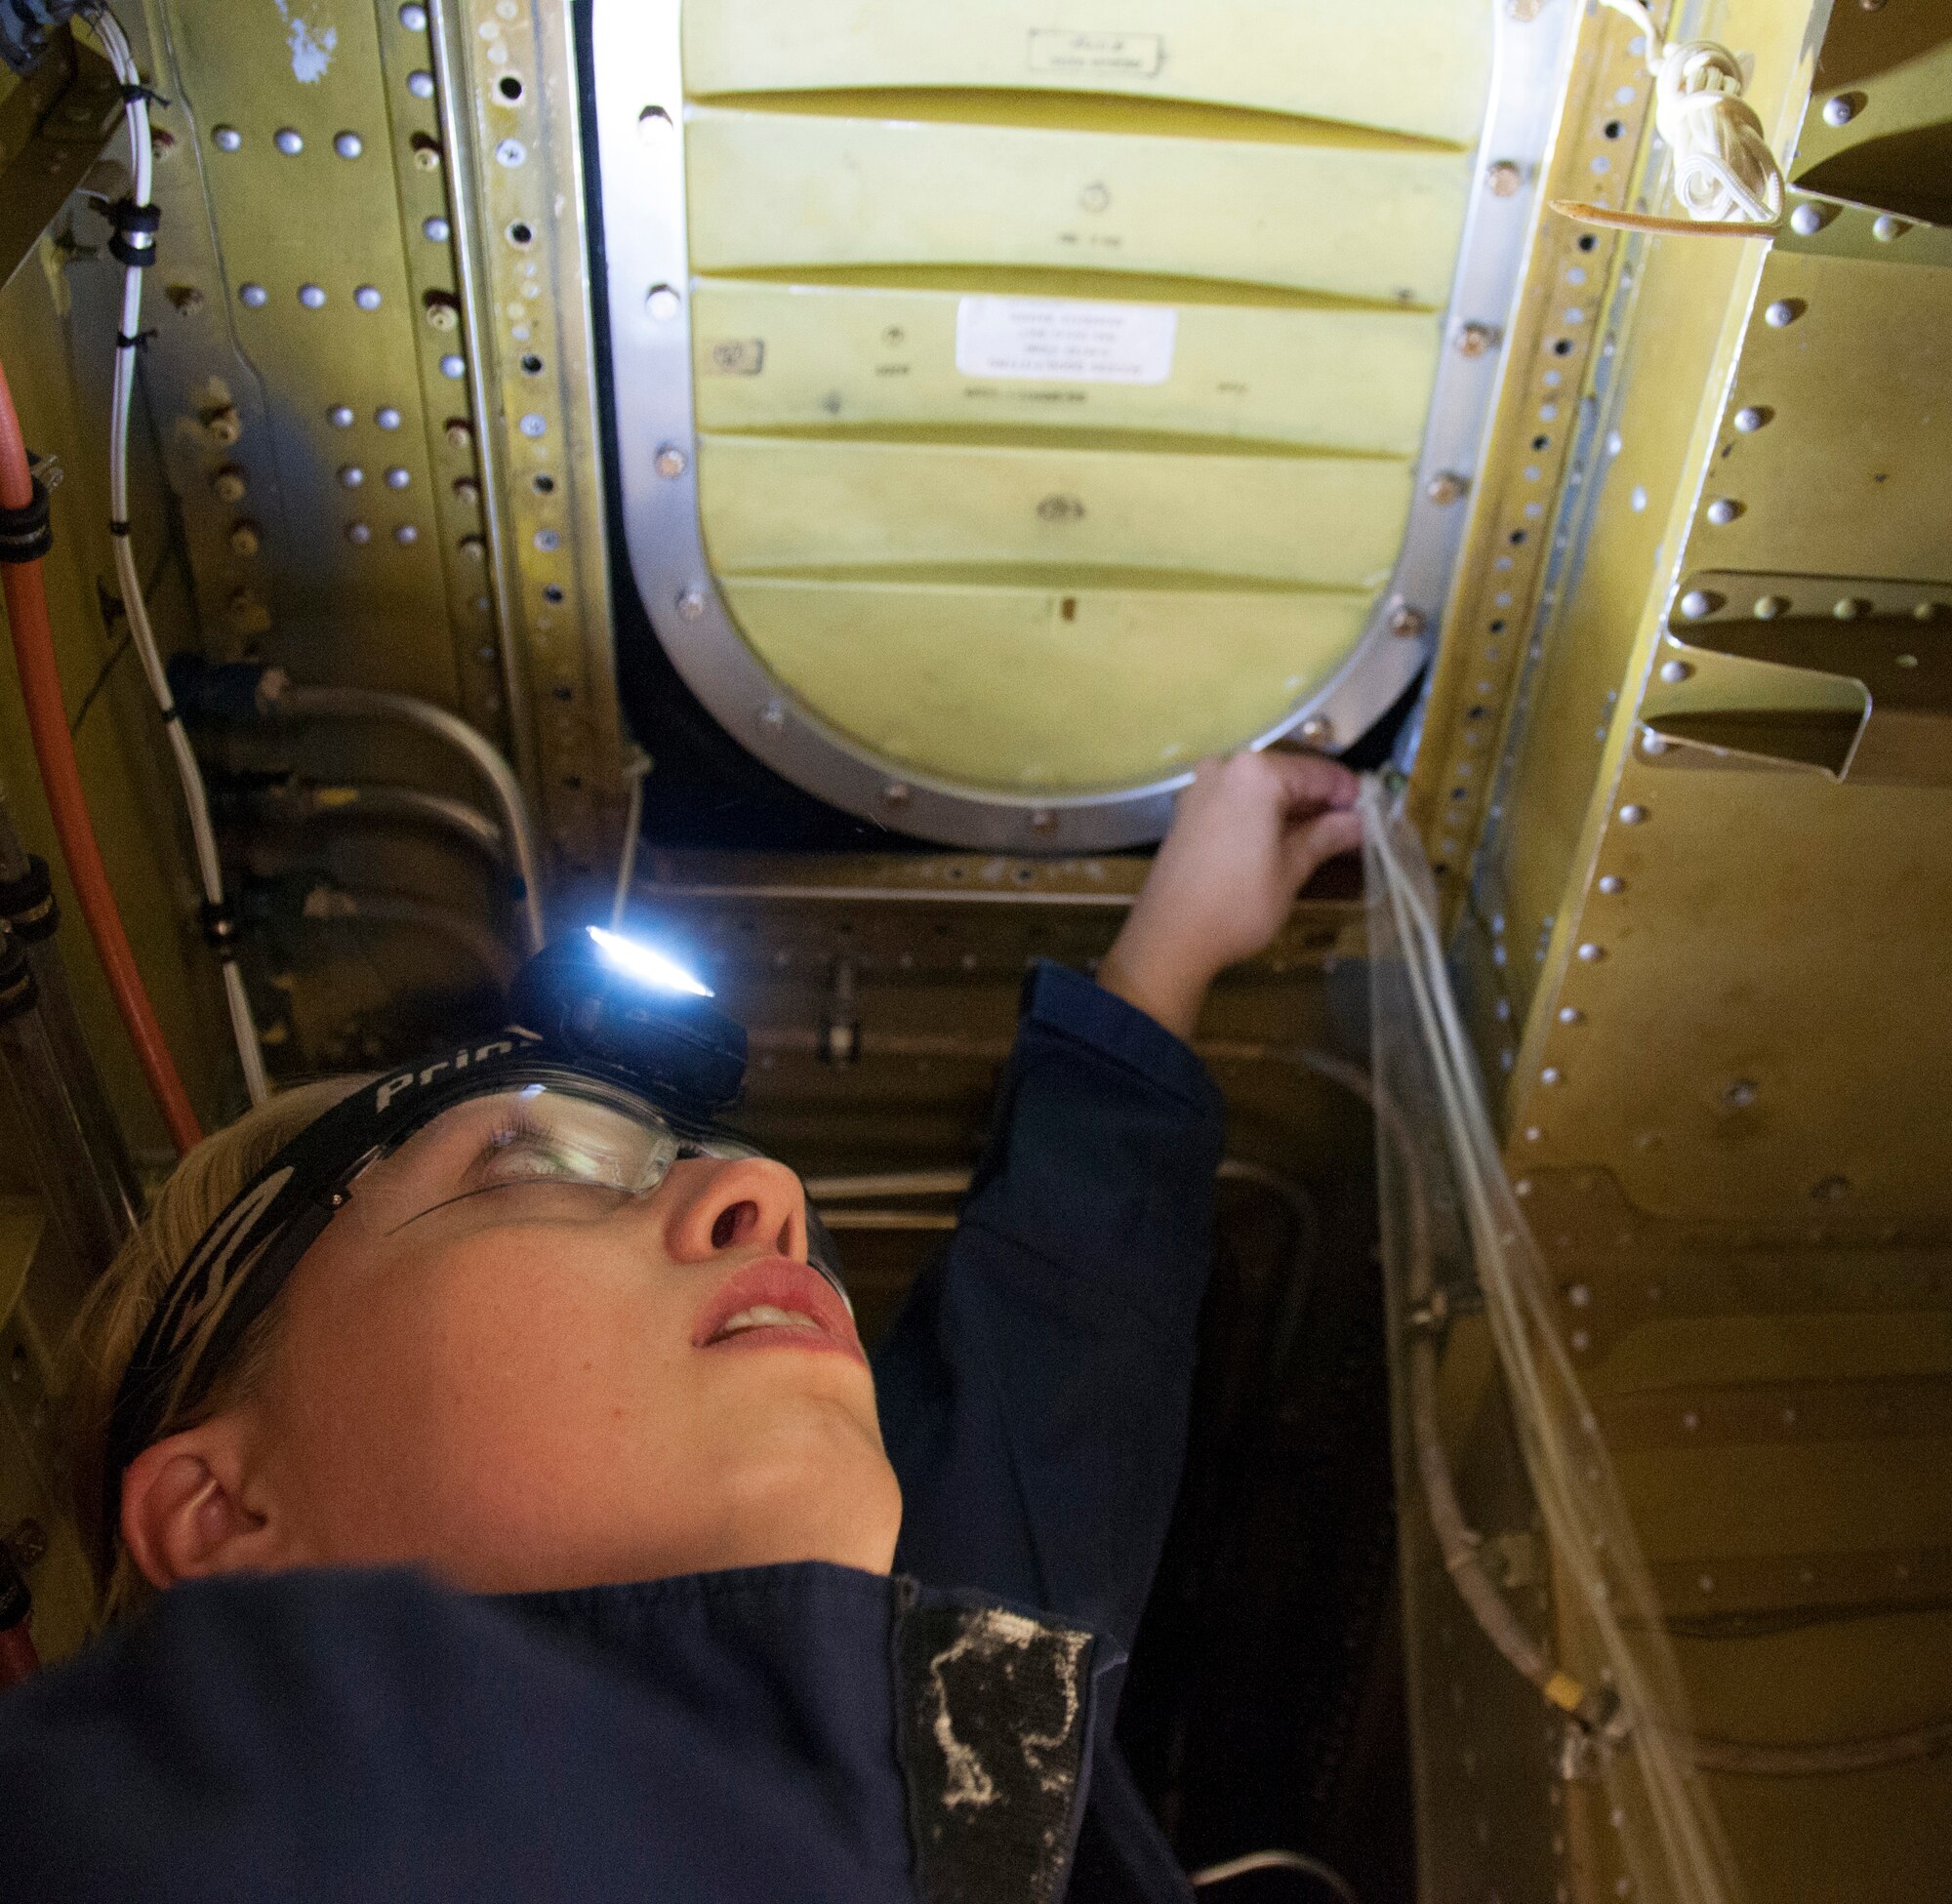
(119, 1305)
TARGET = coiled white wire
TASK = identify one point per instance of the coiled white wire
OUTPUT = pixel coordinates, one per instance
(1724, 175)
(209, 870)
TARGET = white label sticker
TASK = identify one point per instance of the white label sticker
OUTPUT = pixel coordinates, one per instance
(1054, 340)
(1054, 50)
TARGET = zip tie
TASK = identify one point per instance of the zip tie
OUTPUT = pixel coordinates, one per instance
(132, 93)
(137, 342)
(118, 527)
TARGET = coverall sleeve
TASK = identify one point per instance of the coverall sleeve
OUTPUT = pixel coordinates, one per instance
(1035, 1391)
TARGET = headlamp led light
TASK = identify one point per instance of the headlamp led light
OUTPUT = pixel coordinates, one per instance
(587, 1027)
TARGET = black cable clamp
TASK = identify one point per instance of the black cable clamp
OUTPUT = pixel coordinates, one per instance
(19, 992)
(26, 533)
(220, 927)
(28, 904)
(127, 217)
(131, 93)
(137, 342)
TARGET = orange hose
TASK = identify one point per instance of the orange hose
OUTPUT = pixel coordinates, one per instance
(54, 747)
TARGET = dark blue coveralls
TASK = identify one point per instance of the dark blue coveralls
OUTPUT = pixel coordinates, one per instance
(803, 1732)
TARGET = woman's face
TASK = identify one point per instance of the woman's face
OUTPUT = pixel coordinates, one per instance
(526, 1379)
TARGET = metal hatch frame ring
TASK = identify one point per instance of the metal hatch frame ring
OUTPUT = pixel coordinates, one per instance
(640, 113)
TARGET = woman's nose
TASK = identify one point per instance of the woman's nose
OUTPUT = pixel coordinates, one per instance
(746, 1203)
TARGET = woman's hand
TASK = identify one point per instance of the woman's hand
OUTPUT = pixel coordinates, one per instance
(1247, 837)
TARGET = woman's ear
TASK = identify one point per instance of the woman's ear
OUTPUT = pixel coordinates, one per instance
(188, 1508)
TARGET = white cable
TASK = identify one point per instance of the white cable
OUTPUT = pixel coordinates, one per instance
(1218, 1874)
(1724, 175)
(633, 826)
(209, 870)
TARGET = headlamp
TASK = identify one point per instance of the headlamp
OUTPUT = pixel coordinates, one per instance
(602, 1018)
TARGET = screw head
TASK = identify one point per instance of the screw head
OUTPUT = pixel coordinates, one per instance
(359, 533)
(387, 417)
(1722, 511)
(228, 484)
(468, 490)
(1505, 177)
(454, 366)
(1633, 815)
(1408, 622)
(398, 477)
(475, 547)
(1768, 607)
(1475, 340)
(1696, 603)
(1841, 111)
(421, 84)
(351, 475)
(1884, 227)
(1571, 1015)
(287, 142)
(460, 432)
(253, 297)
(1781, 314)
(367, 297)
(1850, 608)
(348, 146)
(414, 19)
(533, 424)
(511, 152)
(1750, 418)
(1446, 487)
(313, 295)
(406, 534)
(691, 605)
(1590, 953)
(245, 539)
(1317, 731)
(671, 460)
(436, 230)
(340, 416)
(229, 138)
(1806, 220)
(1673, 673)
(1612, 883)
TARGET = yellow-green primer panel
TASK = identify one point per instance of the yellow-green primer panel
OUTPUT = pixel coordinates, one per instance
(1066, 570)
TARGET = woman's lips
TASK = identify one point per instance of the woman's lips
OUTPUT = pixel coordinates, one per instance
(777, 1303)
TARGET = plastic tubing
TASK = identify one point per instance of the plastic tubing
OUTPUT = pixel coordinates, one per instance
(53, 749)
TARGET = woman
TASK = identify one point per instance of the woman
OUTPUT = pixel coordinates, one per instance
(522, 1520)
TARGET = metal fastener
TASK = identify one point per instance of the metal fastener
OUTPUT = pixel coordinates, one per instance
(1768, 607)
(313, 295)
(691, 605)
(229, 138)
(511, 152)
(1673, 673)
(454, 366)
(406, 533)
(1750, 418)
(441, 310)
(340, 416)
(1612, 883)
(397, 478)
(228, 484)
(245, 539)
(1446, 486)
(1740, 1094)
(421, 84)
(895, 794)
(459, 432)
(1841, 111)
(436, 230)
(662, 302)
(1505, 177)
(1632, 814)
(348, 146)
(224, 425)
(1589, 952)
(1524, 8)
(358, 532)
(1781, 314)
(1850, 607)
(1654, 743)
(367, 297)
(671, 460)
(414, 19)
(287, 142)
(1571, 1015)
(1550, 1074)
(1722, 511)
(1408, 622)
(351, 475)
(468, 490)
(475, 547)
(1696, 603)
(1042, 821)
(773, 716)
(1475, 340)
(1884, 227)
(387, 417)
(253, 297)
(533, 425)
(1806, 220)
(1317, 730)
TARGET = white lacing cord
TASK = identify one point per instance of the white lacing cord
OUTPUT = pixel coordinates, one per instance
(218, 922)
(1724, 175)
(1218, 1874)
